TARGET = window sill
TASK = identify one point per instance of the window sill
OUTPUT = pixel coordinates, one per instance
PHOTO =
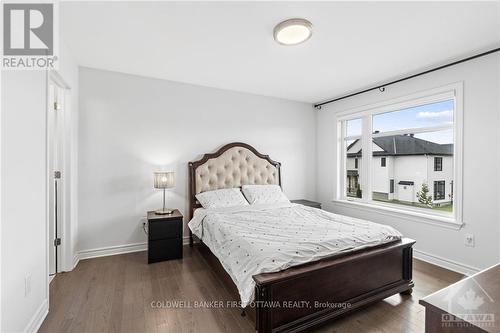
(414, 216)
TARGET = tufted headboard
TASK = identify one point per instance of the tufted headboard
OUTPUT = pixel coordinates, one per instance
(233, 165)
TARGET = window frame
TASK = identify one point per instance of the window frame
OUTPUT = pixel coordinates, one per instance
(438, 158)
(449, 92)
(437, 183)
(383, 162)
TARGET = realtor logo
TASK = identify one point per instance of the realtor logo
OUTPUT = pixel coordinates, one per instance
(28, 36)
(28, 29)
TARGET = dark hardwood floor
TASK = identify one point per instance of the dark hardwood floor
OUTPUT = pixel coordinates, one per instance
(114, 294)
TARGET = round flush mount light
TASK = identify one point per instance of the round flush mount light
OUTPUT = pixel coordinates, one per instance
(293, 31)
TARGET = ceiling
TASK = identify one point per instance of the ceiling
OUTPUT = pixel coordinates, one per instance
(230, 45)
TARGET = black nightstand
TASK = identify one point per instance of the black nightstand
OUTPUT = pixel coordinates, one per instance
(307, 203)
(164, 236)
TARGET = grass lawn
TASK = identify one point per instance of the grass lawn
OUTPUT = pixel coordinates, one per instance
(445, 208)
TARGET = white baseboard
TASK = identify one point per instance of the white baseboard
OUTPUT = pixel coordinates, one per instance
(111, 250)
(76, 260)
(445, 263)
(38, 318)
(114, 250)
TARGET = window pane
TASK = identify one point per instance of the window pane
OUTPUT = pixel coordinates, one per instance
(438, 163)
(428, 115)
(353, 168)
(353, 127)
(439, 190)
(409, 176)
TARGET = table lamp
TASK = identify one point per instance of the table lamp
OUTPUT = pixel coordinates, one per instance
(164, 180)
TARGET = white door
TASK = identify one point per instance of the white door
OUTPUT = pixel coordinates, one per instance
(55, 163)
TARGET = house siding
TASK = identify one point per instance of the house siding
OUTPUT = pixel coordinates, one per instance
(418, 169)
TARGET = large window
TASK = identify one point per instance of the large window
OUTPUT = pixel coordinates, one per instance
(403, 154)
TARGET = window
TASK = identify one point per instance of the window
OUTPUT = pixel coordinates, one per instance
(353, 155)
(439, 190)
(411, 137)
(438, 164)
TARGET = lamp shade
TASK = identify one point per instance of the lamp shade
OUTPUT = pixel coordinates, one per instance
(164, 179)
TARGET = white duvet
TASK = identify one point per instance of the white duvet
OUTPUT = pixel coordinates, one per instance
(256, 239)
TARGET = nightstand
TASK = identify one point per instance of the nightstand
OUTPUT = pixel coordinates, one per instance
(307, 203)
(164, 236)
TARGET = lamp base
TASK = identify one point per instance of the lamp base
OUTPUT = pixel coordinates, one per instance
(164, 211)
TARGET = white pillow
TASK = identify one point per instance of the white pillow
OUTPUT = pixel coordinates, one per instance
(228, 197)
(264, 194)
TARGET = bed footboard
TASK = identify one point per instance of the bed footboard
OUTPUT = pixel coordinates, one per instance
(305, 296)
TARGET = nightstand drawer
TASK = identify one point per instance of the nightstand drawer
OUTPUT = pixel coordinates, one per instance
(165, 249)
(165, 229)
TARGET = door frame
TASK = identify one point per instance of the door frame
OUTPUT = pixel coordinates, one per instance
(66, 253)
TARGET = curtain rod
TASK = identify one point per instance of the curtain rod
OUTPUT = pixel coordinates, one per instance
(382, 86)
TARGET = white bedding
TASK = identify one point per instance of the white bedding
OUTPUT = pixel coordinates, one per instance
(268, 238)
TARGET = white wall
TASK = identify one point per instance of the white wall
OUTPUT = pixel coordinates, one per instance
(23, 219)
(481, 127)
(410, 168)
(498, 159)
(381, 175)
(131, 126)
(24, 238)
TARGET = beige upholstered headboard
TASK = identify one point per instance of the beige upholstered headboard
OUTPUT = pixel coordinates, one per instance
(233, 165)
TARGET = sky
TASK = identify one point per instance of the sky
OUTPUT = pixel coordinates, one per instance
(429, 115)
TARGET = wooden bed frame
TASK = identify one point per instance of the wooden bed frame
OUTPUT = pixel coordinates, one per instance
(304, 296)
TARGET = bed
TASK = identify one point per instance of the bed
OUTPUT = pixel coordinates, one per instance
(287, 283)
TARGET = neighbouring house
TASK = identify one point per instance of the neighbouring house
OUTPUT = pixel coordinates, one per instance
(401, 164)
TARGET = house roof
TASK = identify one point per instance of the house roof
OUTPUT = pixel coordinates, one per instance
(397, 145)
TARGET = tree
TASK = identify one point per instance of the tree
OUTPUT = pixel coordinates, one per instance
(423, 195)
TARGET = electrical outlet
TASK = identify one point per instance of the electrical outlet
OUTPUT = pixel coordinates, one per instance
(27, 285)
(469, 240)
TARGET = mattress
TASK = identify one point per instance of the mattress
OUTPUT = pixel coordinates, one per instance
(255, 239)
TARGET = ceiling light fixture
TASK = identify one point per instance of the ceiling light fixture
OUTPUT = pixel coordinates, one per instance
(293, 31)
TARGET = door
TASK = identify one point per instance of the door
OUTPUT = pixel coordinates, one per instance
(55, 178)
(406, 193)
